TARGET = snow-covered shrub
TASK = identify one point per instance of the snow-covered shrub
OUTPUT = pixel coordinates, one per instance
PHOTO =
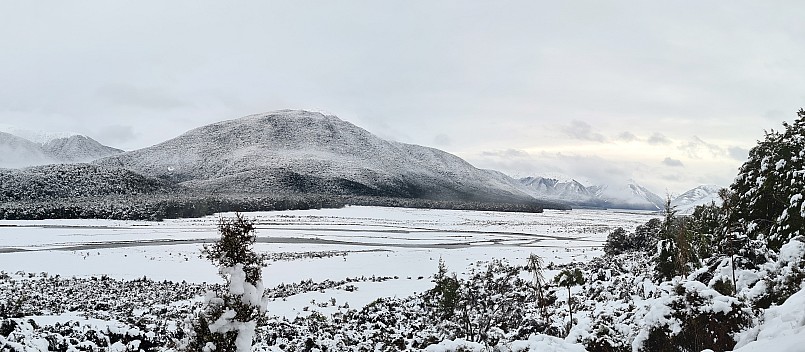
(617, 242)
(606, 337)
(673, 254)
(781, 328)
(665, 259)
(692, 317)
(782, 278)
(491, 303)
(227, 322)
(643, 239)
(445, 293)
(702, 226)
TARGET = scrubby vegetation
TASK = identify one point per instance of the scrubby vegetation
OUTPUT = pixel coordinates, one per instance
(158, 207)
(86, 191)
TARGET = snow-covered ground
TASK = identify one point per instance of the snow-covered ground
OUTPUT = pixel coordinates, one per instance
(399, 247)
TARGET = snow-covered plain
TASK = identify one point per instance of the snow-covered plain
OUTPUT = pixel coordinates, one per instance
(399, 247)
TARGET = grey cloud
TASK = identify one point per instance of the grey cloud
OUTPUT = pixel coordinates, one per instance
(592, 170)
(442, 140)
(738, 153)
(627, 136)
(672, 177)
(596, 169)
(583, 131)
(148, 98)
(696, 146)
(672, 162)
(506, 154)
(114, 135)
(658, 138)
(776, 115)
(432, 66)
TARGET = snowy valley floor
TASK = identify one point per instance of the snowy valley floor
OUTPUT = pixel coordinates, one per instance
(402, 244)
(135, 282)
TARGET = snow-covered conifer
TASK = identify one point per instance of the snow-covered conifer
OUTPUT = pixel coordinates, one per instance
(767, 196)
(227, 322)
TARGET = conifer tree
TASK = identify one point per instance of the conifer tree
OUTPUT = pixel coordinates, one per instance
(667, 258)
(228, 320)
(446, 291)
(767, 196)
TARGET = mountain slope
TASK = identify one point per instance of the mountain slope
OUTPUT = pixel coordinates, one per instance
(57, 181)
(77, 149)
(629, 195)
(17, 152)
(307, 152)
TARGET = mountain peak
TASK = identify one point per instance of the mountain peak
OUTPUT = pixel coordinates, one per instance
(686, 202)
(18, 151)
(78, 149)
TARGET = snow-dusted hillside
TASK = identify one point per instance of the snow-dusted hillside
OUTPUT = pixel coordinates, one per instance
(32, 149)
(628, 195)
(78, 149)
(45, 182)
(686, 202)
(301, 151)
(19, 152)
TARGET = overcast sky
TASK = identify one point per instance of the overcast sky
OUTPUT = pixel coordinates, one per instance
(671, 93)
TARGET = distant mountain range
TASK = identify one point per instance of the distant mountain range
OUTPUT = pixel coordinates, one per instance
(627, 195)
(17, 151)
(293, 152)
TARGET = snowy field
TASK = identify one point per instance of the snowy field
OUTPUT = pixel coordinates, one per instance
(399, 247)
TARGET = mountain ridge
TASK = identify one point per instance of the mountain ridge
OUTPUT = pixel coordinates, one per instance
(628, 195)
(687, 202)
(19, 152)
(300, 151)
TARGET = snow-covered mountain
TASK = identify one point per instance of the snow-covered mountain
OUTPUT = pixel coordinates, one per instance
(686, 202)
(628, 195)
(77, 149)
(308, 152)
(17, 151)
(570, 191)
